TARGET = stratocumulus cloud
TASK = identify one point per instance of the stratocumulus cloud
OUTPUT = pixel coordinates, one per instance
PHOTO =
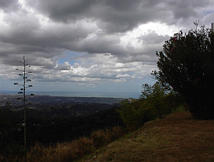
(99, 40)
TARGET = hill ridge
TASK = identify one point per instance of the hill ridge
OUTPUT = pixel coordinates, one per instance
(177, 137)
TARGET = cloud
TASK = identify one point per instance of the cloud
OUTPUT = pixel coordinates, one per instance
(26, 35)
(119, 15)
(9, 5)
(115, 40)
(96, 68)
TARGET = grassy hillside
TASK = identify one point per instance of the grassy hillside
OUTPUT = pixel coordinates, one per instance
(178, 137)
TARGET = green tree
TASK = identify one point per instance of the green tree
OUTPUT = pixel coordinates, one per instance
(187, 65)
(155, 102)
(155, 98)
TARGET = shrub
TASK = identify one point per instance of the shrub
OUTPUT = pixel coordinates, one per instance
(103, 137)
(62, 152)
(155, 102)
(130, 114)
(68, 151)
(81, 147)
(116, 132)
(187, 65)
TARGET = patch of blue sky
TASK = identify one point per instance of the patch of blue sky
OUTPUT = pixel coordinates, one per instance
(70, 56)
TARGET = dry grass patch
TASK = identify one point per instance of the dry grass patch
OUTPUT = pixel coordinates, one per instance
(176, 138)
(68, 151)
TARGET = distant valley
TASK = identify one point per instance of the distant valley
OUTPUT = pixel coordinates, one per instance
(53, 100)
(77, 106)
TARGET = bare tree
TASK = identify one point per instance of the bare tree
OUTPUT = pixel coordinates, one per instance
(24, 84)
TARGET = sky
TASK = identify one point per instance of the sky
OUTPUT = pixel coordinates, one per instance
(97, 48)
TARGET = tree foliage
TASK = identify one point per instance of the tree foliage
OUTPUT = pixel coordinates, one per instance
(155, 102)
(187, 65)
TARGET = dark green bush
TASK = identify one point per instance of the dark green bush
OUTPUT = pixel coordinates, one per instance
(187, 65)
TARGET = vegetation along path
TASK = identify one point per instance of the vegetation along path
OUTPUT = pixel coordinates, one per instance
(177, 137)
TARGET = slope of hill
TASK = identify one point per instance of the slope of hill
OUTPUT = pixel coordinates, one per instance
(176, 138)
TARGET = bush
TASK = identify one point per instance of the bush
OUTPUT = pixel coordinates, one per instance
(102, 137)
(155, 102)
(187, 65)
(81, 147)
(129, 114)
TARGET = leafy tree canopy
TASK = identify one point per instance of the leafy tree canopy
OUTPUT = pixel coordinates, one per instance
(187, 65)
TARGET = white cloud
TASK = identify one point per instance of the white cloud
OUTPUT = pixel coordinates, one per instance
(117, 40)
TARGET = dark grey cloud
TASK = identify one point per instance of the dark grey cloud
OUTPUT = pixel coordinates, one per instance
(25, 35)
(93, 27)
(119, 15)
(9, 5)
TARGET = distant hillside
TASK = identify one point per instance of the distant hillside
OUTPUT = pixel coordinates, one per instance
(57, 100)
(60, 99)
(175, 138)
